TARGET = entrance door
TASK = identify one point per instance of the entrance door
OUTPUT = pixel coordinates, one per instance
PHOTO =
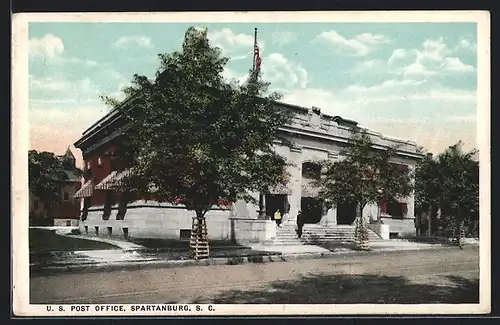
(275, 202)
(346, 213)
(312, 209)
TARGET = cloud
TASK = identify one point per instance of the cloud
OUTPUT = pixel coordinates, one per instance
(465, 44)
(359, 45)
(127, 41)
(397, 55)
(233, 44)
(369, 38)
(89, 63)
(232, 75)
(455, 65)
(432, 59)
(47, 46)
(417, 69)
(282, 72)
(433, 50)
(370, 65)
(283, 38)
(50, 48)
(63, 92)
(429, 114)
(84, 85)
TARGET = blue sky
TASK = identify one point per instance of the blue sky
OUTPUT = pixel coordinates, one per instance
(414, 81)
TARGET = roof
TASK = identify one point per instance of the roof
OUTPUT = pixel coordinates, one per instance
(69, 154)
(72, 176)
(116, 114)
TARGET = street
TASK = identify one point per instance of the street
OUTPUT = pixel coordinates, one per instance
(447, 275)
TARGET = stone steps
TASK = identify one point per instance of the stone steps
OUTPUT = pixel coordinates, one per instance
(286, 235)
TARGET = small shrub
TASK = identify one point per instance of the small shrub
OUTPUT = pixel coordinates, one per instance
(75, 232)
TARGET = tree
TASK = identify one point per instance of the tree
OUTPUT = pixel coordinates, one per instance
(428, 184)
(197, 139)
(365, 176)
(450, 182)
(459, 193)
(46, 171)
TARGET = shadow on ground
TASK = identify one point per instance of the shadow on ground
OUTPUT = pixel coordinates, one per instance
(355, 289)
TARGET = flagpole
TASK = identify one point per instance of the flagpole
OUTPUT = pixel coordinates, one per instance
(254, 46)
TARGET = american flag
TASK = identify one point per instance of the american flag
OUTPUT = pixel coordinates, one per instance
(258, 60)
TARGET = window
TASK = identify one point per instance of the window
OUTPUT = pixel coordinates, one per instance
(394, 209)
(89, 165)
(66, 196)
(400, 166)
(311, 170)
(185, 234)
(99, 161)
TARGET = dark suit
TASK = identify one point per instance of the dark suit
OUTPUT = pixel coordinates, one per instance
(300, 224)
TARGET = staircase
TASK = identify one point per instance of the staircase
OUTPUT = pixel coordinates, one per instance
(315, 233)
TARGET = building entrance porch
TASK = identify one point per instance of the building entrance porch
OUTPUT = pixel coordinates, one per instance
(346, 213)
(276, 202)
(312, 210)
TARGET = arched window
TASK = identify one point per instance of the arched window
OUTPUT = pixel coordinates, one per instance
(311, 170)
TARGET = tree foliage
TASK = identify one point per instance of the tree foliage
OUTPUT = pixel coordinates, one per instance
(196, 138)
(449, 182)
(46, 171)
(365, 176)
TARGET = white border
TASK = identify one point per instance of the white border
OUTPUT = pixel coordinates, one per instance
(20, 272)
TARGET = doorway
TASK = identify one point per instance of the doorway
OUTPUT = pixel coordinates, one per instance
(275, 202)
(346, 213)
(312, 209)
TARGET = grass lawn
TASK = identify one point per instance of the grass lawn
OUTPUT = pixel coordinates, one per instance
(42, 240)
(157, 243)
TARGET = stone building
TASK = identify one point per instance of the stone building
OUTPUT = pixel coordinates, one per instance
(315, 136)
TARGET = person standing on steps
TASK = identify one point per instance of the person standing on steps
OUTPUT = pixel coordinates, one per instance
(300, 224)
(277, 217)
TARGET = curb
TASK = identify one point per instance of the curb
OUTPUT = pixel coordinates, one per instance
(237, 260)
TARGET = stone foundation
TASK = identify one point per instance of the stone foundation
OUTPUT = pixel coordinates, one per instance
(167, 221)
(401, 227)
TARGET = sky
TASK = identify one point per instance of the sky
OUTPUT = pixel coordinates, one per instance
(413, 81)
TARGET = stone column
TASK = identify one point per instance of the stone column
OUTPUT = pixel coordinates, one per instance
(410, 201)
(262, 206)
(330, 219)
(295, 183)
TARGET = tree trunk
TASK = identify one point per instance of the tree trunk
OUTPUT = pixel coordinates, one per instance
(122, 205)
(460, 229)
(429, 220)
(85, 211)
(199, 239)
(361, 230)
(49, 218)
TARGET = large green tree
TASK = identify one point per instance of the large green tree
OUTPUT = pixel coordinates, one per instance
(365, 176)
(195, 137)
(428, 183)
(45, 173)
(450, 183)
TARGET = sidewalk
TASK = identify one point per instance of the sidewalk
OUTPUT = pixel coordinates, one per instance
(132, 256)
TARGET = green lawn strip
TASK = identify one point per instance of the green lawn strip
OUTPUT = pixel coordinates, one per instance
(156, 243)
(41, 240)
